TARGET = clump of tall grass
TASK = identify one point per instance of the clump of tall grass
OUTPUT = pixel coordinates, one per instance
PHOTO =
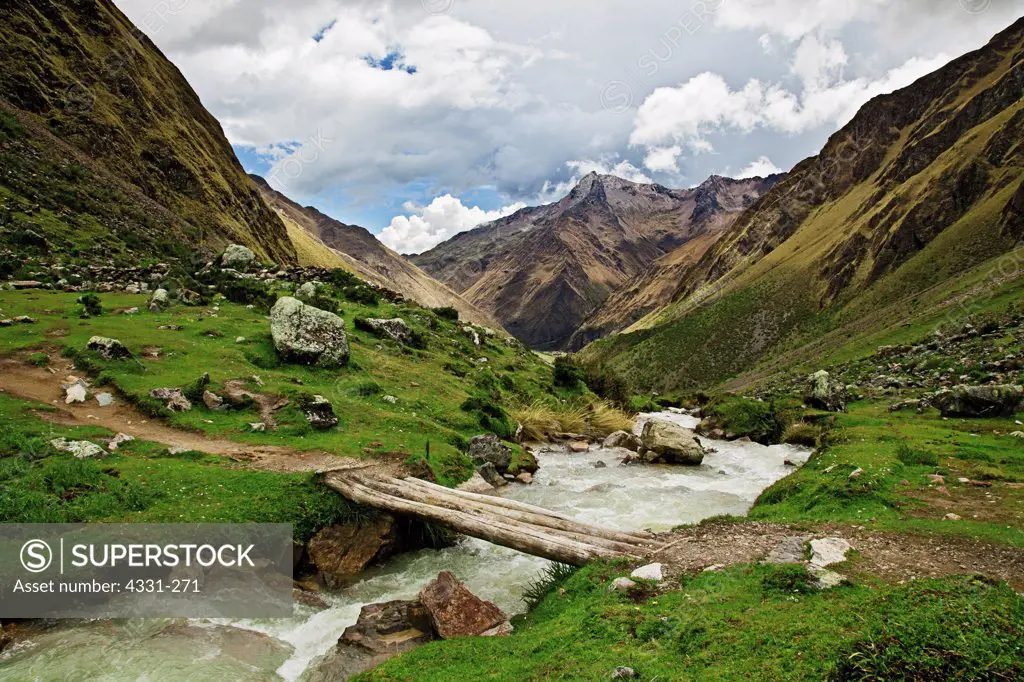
(541, 420)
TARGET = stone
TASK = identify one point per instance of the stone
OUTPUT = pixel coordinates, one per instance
(825, 393)
(342, 552)
(308, 335)
(938, 479)
(130, 311)
(789, 551)
(382, 628)
(824, 579)
(319, 412)
(238, 257)
(104, 399)
(526, 478)
(979, 401)
(578, 446)
(648, 572)
(952, 517)
(624, 673)
(621, 585)
(81, 449)
(457, 612)
(396, 329)
(600, 465)
(477, 484)
(119, 440)
(489, 473)
(159, 301)
(667, 443)
(212, 400)
(828, 551)
(622, 439)
(390, 400)
(76, 393)
(489, 448)
(24, 319)
(109, 349)
(856, 473)
(306, 292)
(179, 403)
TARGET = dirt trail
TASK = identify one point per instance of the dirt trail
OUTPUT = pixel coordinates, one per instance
(892, 556)
(22, 380)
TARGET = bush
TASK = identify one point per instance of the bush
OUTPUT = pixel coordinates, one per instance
(92, 305)
(353, 289)
(760, 421)
(490, 417)
(608, 384)
(801, 434)
(567, 374)
(247, 292)
(911, 457)
(787, 579)
(447, 314)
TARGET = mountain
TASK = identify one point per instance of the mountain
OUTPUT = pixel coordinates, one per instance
(910, 214)
(106, 150)
(543, 270)
(334, 244)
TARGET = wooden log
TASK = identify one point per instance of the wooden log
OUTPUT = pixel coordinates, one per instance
(521, 537)
(635, 537)
(576, 532)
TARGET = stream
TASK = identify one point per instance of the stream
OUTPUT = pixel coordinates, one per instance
(627, 498)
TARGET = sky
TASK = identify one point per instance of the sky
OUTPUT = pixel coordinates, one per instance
(419, 119)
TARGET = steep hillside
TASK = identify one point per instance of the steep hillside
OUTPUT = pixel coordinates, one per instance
(543, 270)
(918, 194)
(107, 151)
(326, 242)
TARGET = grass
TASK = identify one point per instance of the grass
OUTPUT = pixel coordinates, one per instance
(594, 418)
(746, 622)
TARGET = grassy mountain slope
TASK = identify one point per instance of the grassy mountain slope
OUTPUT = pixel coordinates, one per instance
(570, 256)
(920, 193)
(322, 238)
(107, 151)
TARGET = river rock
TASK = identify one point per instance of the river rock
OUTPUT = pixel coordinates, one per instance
(159, 301)
(81, 449)
(396, 329)
(526, 478)
(578, 446)
(109, 349)
(490, 474)
(308, 335)
(457, 612)
(490, 449)
(477, 484)
(622, 439)
(825, 393)
(238, 257)
(980, 401)
(667, 443)
(319, 412)
(341, 552)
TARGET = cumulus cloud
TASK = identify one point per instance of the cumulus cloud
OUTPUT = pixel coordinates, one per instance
(445, 217)
(759, 168)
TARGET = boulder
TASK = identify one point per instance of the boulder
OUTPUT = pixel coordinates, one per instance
(825, 393)
(490, 474)
(396, 329)
(319, 412)
(828, 551)
(667, 443)
(477, 484)
(526, 478)
(82, 449)
(648, 572)
(159, 301)
(490, 449)
(308, 335)
(173, 397)
(457, 612)
(341, 552)
(621, 585)
(622, 439)
(212, 400)
(238, 257)
(306, 291)
(578, 446)
(109, 349)
(979, 401)
(119, 440)
(76, 392)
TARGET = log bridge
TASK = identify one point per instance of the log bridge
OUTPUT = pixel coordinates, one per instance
(523, 527)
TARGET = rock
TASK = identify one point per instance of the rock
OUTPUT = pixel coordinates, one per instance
(159, 301)
(258, 427)
(489, 448)
(979, 401)
(238, 257)
(76, 393)
(341, 552)
(856, 473)
(648, 572)
(212, 400)
(952, 517)
(109, 349)
(622, 439)
(390, 400)
(308, 335)
(578, 446)
(24, 319)
(119, 440)
(621, 585)
(600, 465)
(396, 329)
(526, 478)
(306, 292)
(1017, 434)
(713, 568)
(789, 551)
(825, 393)
(319, 412)
(457, 612)
(490, 474)
(82, 449)
(477, 484)
(310, 599)
(179, 403)
(624, 673)
(667, 443)
(828, 551)
(937, 479)
(824, 579)
(104, 399)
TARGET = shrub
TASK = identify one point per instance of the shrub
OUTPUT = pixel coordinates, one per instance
(911, 457)
(787, 579)
(567, 374)
(447, 314)
(92, 305)
(608, 384)
(801, 434)
(490, 417)
(247, 292)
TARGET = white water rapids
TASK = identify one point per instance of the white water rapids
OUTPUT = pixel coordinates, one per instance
(628, 498)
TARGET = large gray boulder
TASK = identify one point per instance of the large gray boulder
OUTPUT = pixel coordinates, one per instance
(238, 257)
(825, 393)
(308, 335)
(490, 449)
(979, 401)
(159, 301)
(396, 329)
(667, 443)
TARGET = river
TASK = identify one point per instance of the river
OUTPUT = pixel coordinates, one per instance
(628, 498)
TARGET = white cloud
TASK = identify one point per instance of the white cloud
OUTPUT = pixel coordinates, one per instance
(663, 159)
(759, 168)
(793, 19)
(445, 217)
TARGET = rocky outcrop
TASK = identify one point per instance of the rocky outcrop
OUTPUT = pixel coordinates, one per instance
(489, 449)
(159, 301)
(825, 393)
(173, 398)
(457, 612)
(81, 449)
(622, 439)
(238, 257)
(318, 412)
(308, 335)
(396, 329)
(667, 443)
(341, 552)
(109, 349)
(980, 401)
